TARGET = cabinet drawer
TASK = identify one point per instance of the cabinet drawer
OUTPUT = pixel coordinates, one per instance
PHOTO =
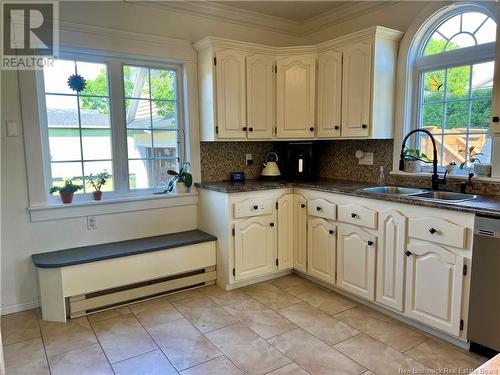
(322, 208)
(438, 230)
(253, 207)
(358, 215)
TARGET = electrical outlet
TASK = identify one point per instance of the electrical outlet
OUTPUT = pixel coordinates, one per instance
(366, 159)
(248, 159)
(91, 222)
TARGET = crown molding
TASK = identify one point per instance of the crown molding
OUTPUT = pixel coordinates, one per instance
(245, 17)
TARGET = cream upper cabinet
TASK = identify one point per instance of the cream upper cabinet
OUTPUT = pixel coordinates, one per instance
(356, 90)
(300, 233)
(329, 103)
(434, 286)
(254, 247)
(321, 249)
(356, 252)
(391, 259)
(295, 96)
(260, 96)
(285, 231)
(230, 94)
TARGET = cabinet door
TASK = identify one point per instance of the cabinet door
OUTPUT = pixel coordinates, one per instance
(356, 261)
(390, 259)
(285, 231)
(254, 247)
(329, 94)
(434, 286)
(321, 250)
(230, 94)
(356, 90)
(260, 96)
(295, 97)
(300, 233)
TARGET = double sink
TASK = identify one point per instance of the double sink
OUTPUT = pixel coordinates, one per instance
(434, 195)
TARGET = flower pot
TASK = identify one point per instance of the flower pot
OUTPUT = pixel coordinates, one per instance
(452, 169)
(482, 170)
(97, 195)
(413, 166)
(180, 187)
(66, 196)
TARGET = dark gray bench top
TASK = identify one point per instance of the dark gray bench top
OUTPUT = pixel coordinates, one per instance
(94, 253)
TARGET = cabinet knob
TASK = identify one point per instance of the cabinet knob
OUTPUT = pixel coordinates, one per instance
(311, 128)
(255, 207)
(245, 128)
(370, 243)
(364, 126)
(432, 231)
(250, 129)
(353, 215)
(318, 208)
(336, 127)
(271, 224)
(331, 231)
(302, 205)
(408, 253)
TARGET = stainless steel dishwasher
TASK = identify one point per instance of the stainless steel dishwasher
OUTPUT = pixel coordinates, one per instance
(484, 306)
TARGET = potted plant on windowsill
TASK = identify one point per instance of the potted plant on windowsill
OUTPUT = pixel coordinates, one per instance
(67, 191)
(414, 159)
(97, 181)
(472, 159)
(181, 181)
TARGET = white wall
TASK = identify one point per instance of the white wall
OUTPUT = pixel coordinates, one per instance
(19, 236)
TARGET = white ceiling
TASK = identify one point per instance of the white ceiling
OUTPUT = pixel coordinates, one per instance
(297, 11)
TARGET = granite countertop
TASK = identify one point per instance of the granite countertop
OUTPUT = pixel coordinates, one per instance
(483, 205)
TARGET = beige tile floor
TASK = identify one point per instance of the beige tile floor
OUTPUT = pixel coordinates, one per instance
(285, 326)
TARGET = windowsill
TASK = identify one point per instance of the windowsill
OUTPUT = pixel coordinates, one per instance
(57, 211)
(493, 180)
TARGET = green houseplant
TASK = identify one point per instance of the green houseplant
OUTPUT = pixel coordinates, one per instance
(472, 158)
(67, 191)
(97, 181)
(413, 159)
(181, 181)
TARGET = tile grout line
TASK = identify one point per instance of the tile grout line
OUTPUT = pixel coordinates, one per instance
(43, 343)
(100, 345)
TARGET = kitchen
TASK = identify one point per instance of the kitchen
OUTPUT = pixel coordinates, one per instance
(338, 191)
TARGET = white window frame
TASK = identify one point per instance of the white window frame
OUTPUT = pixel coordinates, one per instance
(117, 121)
(411, 64)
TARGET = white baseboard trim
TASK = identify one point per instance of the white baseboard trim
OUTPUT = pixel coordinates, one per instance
(10, 309)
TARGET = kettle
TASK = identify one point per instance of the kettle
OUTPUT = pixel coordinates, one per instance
(270, 167)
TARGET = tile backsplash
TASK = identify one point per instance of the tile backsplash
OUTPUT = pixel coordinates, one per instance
(336, 160)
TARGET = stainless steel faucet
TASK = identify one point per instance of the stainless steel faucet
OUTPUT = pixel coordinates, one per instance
(436, 180)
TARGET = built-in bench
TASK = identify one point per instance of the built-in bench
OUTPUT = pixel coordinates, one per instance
(78, 281)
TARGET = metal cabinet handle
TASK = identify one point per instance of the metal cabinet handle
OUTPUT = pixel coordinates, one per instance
(250, 129)
(245, 128)
(302, 205)
(364, 126)
(408, 253)
(353, 215)
(370, 243)
(331, 231)
(337, 127)
(432, 231)
(255, 207)
(271, 224)
(311, 128)
(318, 208)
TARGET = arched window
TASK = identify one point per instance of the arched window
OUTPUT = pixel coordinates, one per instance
(454, 66)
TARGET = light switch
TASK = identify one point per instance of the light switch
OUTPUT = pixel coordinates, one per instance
(12, 129)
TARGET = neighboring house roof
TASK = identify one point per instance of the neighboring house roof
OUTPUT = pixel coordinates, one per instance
(93, 119)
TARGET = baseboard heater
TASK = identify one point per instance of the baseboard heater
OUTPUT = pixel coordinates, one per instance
(85, 304)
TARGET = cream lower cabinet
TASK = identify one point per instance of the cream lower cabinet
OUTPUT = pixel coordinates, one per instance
(390, 258)
(300, 233)
(434, 286)
(321, 244)
(356, 254)
(254, 247)
(286, 229)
